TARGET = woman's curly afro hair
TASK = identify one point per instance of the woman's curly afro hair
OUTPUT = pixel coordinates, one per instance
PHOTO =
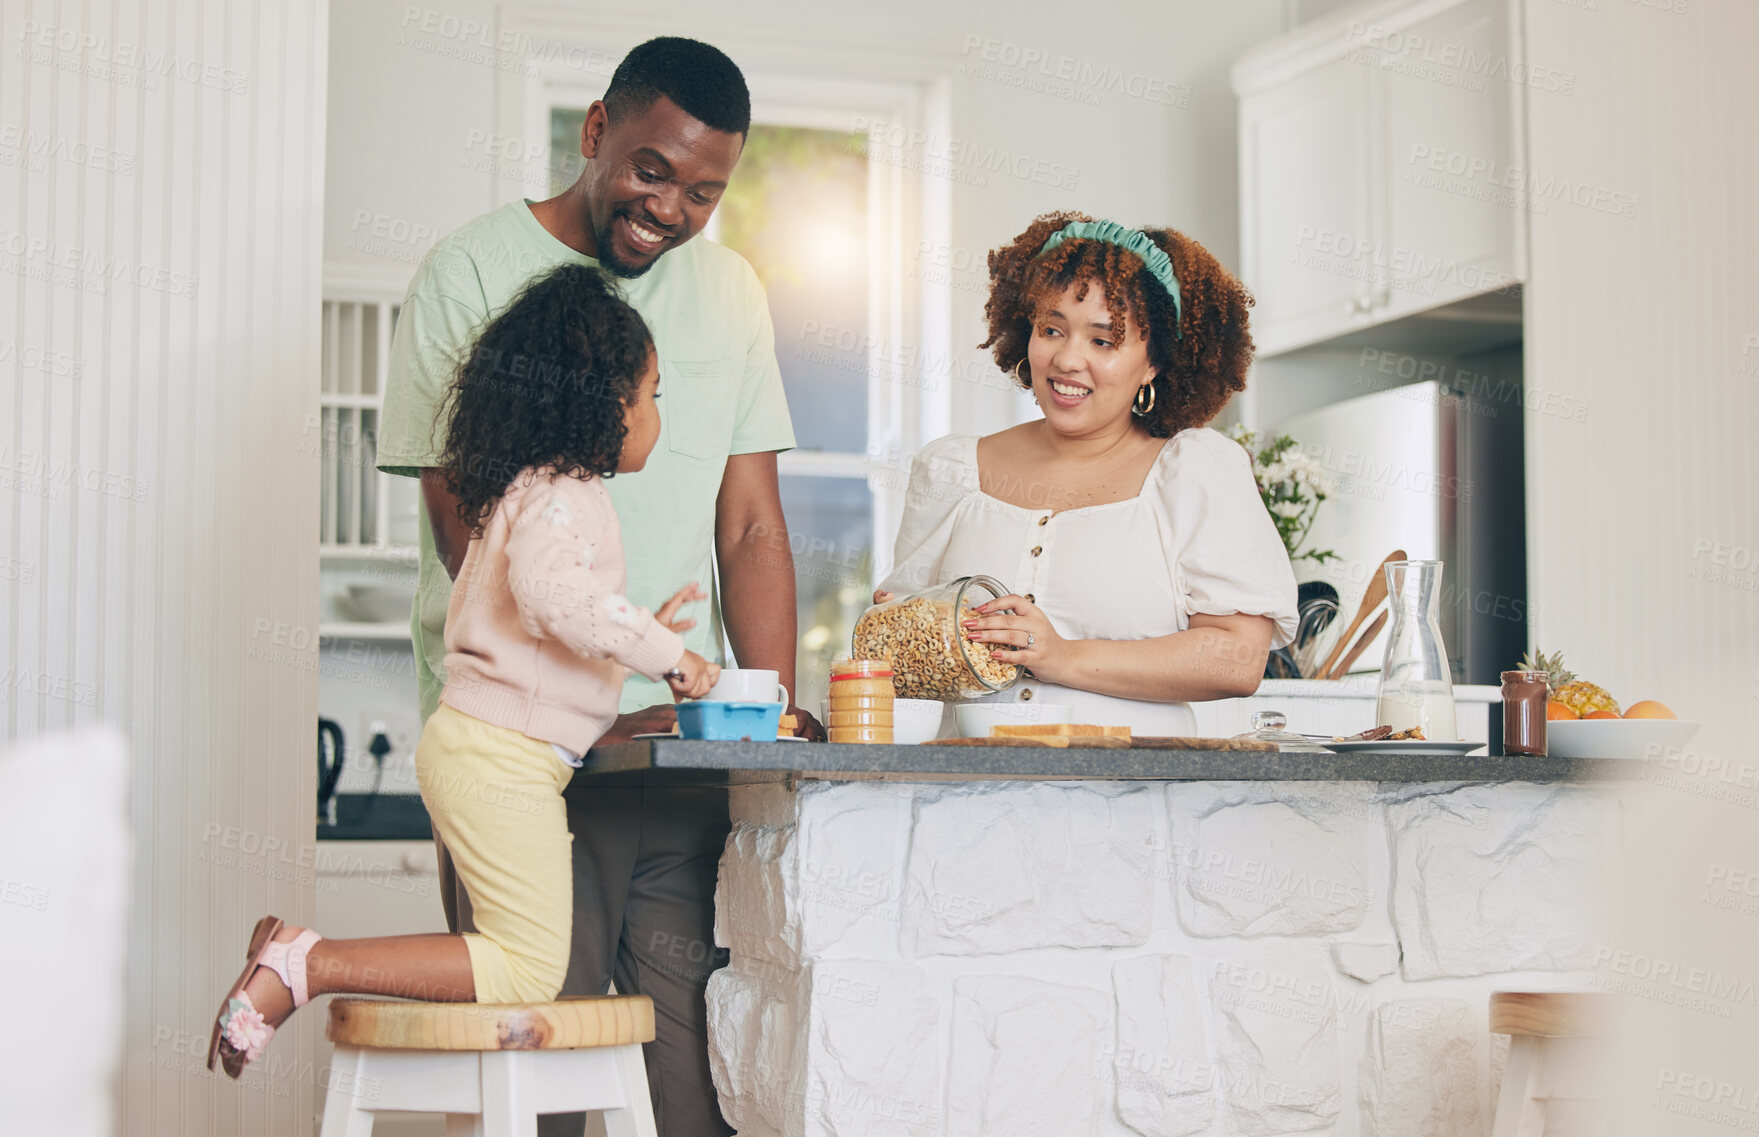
(545, 384)
(1195, 375)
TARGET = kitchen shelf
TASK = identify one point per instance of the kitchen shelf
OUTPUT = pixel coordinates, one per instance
(345, 630)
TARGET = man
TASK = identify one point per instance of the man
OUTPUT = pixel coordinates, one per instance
(659, 150)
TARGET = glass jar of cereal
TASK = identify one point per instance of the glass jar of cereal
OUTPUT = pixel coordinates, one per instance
(923, 637)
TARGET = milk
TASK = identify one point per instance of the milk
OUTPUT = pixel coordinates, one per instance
(1429, 705)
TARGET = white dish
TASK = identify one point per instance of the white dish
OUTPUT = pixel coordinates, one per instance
(1403, 746)
(376, 603)
(915, 721)
(975, 719)
(1616, 738)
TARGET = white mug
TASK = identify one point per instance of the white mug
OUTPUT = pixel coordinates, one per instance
(748, 685)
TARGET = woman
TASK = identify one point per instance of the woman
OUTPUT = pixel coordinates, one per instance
(1147, 573)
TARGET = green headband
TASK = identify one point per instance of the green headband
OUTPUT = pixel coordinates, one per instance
(1154, 258)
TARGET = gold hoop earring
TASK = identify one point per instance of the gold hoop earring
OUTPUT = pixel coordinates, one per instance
(1137, 406)
(1027, 383)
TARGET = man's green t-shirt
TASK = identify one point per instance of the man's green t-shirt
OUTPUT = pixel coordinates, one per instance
(721, 394)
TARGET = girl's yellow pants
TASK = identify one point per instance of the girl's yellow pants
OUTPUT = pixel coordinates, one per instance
(495, 796)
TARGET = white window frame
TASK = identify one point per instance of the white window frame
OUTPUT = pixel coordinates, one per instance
(567, 59)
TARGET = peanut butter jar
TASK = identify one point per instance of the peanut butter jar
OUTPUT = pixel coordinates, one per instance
(860, 701)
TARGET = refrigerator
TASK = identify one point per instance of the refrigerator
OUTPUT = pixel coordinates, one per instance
(1434, 468)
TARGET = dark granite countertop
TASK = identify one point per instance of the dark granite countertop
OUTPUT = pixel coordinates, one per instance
(739, 763)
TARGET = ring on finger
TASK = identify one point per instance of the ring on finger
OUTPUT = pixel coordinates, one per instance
(1030, 639)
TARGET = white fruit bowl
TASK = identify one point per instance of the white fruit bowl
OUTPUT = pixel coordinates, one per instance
(975, 719)
(1616, 738)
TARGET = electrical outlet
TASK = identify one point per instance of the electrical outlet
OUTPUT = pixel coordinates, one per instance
(403, 730)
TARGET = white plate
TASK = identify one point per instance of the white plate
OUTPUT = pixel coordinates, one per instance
(1616, 738)
(1403, 746)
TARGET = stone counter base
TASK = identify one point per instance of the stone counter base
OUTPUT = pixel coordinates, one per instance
(1071, 958)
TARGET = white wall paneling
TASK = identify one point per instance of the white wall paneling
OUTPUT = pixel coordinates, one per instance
(1643, 299)
(160, 243)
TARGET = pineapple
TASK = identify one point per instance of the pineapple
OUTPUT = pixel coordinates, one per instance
(1579, 695)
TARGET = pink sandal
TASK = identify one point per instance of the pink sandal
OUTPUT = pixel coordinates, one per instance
(240, 1033)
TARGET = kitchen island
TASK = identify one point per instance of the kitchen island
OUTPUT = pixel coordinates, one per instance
(950, 940)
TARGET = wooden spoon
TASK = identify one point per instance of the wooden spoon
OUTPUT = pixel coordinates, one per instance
(1371, 599)
(1343, 668)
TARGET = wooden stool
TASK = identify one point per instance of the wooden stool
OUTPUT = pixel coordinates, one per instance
(490, 1068)
(1554, 1065)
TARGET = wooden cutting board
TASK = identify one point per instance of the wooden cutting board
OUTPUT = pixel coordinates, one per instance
(1150, 742)
(1100, 742)
(1058, 741)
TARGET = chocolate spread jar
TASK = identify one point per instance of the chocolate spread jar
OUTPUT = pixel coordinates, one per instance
(1524, 694)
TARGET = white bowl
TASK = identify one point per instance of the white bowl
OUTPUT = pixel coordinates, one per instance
(378, 603)
(975, 719)
(1616, 738)
(915, 720)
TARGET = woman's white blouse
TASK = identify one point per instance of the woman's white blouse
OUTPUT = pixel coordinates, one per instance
(1197, 539)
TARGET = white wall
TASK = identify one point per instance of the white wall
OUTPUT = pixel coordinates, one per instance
(1655, 318)
(404, 108)
(161, 169)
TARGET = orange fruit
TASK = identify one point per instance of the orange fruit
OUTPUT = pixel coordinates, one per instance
(1600, 715)
(1649, 709)
(1557, 710)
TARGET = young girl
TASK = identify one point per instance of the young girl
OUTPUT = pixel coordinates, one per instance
(557, 394)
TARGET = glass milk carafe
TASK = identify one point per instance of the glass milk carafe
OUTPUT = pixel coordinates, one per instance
(1416, 688)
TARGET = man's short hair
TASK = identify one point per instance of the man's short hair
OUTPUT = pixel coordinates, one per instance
(700, 78)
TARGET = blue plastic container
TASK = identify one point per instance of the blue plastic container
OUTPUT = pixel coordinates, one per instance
(757, 722)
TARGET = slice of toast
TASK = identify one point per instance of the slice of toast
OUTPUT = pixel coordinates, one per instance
(1048, 729)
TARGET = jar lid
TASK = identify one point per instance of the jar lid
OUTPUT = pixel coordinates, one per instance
(861, 669)
(1524, 676)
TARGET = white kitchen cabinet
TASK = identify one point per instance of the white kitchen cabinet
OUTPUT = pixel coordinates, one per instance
(1306, 171)
(1380, 168)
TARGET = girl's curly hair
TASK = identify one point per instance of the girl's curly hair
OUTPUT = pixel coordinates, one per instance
(545, 384)
(1195, 376)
